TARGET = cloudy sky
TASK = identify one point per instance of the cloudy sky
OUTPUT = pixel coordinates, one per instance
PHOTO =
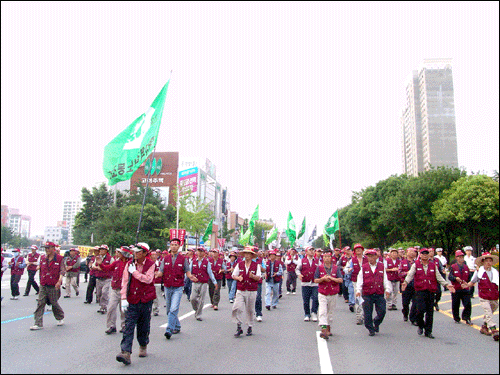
(297, 105)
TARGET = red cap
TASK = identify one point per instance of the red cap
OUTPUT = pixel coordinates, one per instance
(459, 253)
(358, 245)
(49, 244)
(104, 247)
(371, 252)
(34, 247)
(424, 249)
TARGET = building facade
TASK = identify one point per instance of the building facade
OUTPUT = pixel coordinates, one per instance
(429, 137)
(70, 209)
(58, 234)
(20, 224)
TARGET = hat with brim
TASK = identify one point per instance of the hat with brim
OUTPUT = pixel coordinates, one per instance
(49, 244)
(480, 260)
(250, 250)
(370, 252)
(391, 250)
(358, 245)
(141, 246)
(125, 251)
(424, 250)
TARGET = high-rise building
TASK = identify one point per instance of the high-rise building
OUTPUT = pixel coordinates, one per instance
(70, 209)
(429, 136)
(20, 224)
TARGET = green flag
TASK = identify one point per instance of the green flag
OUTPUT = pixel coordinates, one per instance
(332, 224)
(128, 150)
(302, 229)
(255, 217)
(272, 236)
(290, 229)
(208, 231)
(325, 239)
(245, 239)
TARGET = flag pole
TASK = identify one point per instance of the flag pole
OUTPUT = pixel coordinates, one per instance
(147, 186)
(340, 238)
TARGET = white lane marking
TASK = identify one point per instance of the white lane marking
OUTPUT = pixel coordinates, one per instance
(184, 316)
(324, 355)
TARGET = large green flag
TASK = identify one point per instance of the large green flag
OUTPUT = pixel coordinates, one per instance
(290, 229)
(325, 239)
(208, 231)
(128, 150)
(272, 236)
(255, 217)
(245, 239)
(332, 224)
(302, 229)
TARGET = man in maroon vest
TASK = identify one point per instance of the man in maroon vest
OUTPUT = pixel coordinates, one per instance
(352, 269)
(291, 262)
(487, 278)
(392, 270)
(137, 293)
(305, 272)
(72, 264)
(124, 254)
(201, 270)
(218, 268)
(92, 279)
(460, 274)
(328, 277)
(172, 270)
(371, 283)
(247, 273)
(52, 271)
(427, 276)
(103, 280)
(33, 260)
(347, 287)
(17, 266)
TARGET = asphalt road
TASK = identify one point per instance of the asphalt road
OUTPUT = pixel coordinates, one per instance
(282, 343)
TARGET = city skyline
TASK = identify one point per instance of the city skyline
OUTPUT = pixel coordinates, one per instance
(298, 105)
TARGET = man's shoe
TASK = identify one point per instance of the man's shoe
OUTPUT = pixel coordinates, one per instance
(168, 335)
(124, 357)
(390, 307)
(420, 331)
(293, 293)
(14, 298)
(121, 330)
(268, 308)
(176, 331)
(394, 307)
(274, 307)
(67, 296)
(485, 330)
(249, 331)
(494, 333)
(306, 319)
(429, 335)
(77, 294)
(259, 319)
(143, 351)
(468, 322)
(60, 322)
(199, 319)
(328, 329)
(351, 308)
(49, 308)
(436, 306)
(155, 314)
(375, 328)
(324, 334)
(216, 308)
(25, 295)
(35, 328)
(415, 324)
(405, 318)
(346, 301)
(239, 331)
(110, 330)
(281, 295)
(359, 322)
(314, 317)
(87, 302)
(231, 300)
(287, 292)
(372, 333)
(457, 321)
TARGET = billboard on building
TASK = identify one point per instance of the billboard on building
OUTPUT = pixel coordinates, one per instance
(188, 179)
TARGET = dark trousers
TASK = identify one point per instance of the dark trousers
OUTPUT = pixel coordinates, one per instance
(31, 281)
(308, 293)
(345, 291)
(463, 296)
(371, 300)
(49, 295)
(86, 275)
(224, 282)
(408, 297)
(139, 315)
(14, 285)
(291, 282)
(438, 294)
(258, 301)
(424, 299)
(187, 287)
(90, 289)
(341, 289)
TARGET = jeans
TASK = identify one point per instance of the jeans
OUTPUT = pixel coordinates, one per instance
(139, 315)
(272, 293)
(310, 292)
(350, 291)
(232, 288)
(258, 301)
(173, 297)
(378, 301)
(31, 281)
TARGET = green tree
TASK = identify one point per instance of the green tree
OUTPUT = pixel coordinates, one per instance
(194, 215)
(257, 232)
(20, 242)
(472, 203)
(7, 235)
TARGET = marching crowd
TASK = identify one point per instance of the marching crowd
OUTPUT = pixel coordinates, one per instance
(134, 282)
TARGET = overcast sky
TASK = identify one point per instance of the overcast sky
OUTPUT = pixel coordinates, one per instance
(297, 105)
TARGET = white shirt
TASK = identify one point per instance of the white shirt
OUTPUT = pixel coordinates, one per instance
(470, 261)
(442, 259)
(359, 283)
(236, 271)
(299, 268)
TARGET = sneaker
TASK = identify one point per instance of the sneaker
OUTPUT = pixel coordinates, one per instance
(239, 331)
(351, 308)
(394, 307)
(35, 328)
(293, 293)
(49, 308)
(231, 300)
(287, 292)
(143, 351)
(259, 319)
(249, 331)
(306, 319)
(274, 307)
(268, 308)
(176, 331)
(124, 357)
(168, 335)
(216, 308)
(155, 314)
(77, 294)
(371, 333)
(25, 295)
(314, 317)
(199, 319)
(15, 298)
(60, 322)
(110, 330)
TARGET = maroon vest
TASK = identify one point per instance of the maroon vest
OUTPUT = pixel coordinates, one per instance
(464, 275)
(292, 266)
(308, 271)
(373, 283)
(72, 262)
(200, 272)
(91, 262)
(104, 274)
(139, 291)
(404, 267)
(50, 271)
(157, 280)
(275, 270)
(393, 275)
(487, 290)
(15, 270)
(425, 281)
(32, 258)
(173, 273)
(328, 288)
(343, 261)
(116, 280)
(216, 266)
(356, 267)
(247, 283)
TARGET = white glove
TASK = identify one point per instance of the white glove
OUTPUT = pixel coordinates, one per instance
(124, 306)
(132, 268)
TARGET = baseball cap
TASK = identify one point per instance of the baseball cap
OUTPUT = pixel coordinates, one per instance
(49, 244)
